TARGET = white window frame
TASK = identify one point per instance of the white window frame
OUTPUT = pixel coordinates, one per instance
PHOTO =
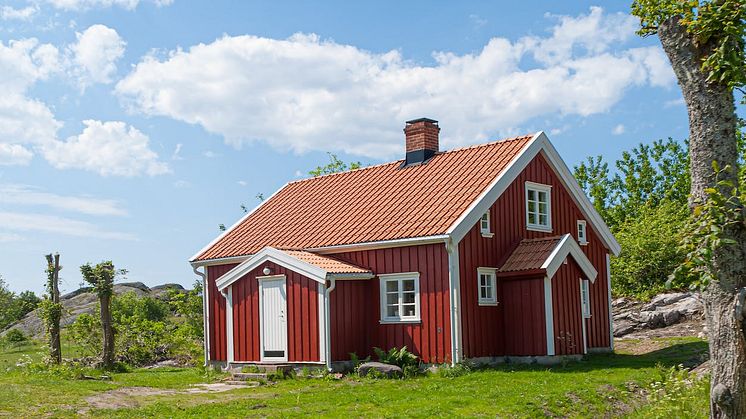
(486, 231)
(585, 298)
(400, 277)
(492, 272)
(538, 187)
(582, 239)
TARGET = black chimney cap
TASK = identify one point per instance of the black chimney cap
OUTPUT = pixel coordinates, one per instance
(413, 121)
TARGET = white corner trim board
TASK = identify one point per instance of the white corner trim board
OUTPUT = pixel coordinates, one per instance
(454, 285)
(568, 246)
(549, 314)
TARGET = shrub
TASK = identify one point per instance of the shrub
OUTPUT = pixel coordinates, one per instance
(15, 337)
(85, 331)
(678, 394)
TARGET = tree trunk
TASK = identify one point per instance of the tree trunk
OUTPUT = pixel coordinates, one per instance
(712, 137)
(107, 355)
(55, 347)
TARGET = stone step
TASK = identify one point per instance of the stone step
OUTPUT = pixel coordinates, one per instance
(242, 383)
(249, 376)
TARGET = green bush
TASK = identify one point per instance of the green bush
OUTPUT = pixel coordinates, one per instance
(13, 338)
(677, 394)
(650, 250)
(462, 368)
(145, 331)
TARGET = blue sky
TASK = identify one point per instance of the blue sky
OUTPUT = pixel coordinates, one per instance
(130, 129)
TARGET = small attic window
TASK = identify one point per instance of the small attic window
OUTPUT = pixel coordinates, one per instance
(582, 234)
(484, 225)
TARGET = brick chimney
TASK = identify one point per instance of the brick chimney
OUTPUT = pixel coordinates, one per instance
(422, 140)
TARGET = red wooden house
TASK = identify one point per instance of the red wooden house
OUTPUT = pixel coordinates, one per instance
(483, 252)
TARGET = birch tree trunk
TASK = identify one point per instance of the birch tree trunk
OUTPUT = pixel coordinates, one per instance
(55, 347)
(712, 137)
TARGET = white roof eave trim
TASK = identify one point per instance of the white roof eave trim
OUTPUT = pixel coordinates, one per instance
(276, 256)
(538, 143)
(569, 247)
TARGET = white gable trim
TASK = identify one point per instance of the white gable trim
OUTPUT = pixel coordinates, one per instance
(568, 247)
(538, 143)
(273, 255)
(236, 224)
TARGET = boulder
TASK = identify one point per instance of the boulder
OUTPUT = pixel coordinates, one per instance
(386, 369)
(661, 300)
(623, 328)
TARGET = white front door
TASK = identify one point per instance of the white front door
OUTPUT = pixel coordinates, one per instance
(273, 318)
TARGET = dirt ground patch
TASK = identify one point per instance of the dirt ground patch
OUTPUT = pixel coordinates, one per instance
(128, 397)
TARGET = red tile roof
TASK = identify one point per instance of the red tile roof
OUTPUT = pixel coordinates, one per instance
(530, 254)
(376, 203)
(327, 263)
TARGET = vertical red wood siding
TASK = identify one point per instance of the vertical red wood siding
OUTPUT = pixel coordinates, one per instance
(216, 308)
(480, 336)
(568, 315)
(302, 316)
(524, 324)
(355, 305)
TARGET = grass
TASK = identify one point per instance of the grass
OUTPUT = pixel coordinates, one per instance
(602, 385)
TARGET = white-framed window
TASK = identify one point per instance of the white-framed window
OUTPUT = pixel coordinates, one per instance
(484, 225)
(538, 207)
(400, 297)
(582, 235)
(585, 298)
(487, 286)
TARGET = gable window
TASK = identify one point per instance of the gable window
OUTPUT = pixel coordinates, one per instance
(585, 298)
(487, 286)
(484, 225)
(400, 297)
(582, 236)
(538, 207)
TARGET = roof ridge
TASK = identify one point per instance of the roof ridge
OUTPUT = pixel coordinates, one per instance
(454, 150)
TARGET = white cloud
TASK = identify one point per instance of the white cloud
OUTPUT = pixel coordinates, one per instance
(109, 148)
(14, 155)
(29, 195)
(177, 152)
(181, 184)
(57, 225)
(210, 154)
(25, 14)
(242, 183)
(25, 121)
(618, 130)
(96, 53)
(674, 102)
(304, 93)
(9, 237)
(79, 5)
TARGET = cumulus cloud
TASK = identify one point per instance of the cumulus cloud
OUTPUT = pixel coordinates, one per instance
(80, 5)
(12, 194)
(305, 93)
(618, 130)
(23, 14)
(110, 148)
(96, 53)
(14, 155)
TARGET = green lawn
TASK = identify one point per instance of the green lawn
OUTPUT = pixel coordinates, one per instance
(602, 385)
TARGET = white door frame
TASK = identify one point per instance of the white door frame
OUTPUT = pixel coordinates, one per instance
(261, 280)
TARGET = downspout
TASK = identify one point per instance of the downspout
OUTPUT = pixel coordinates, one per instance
(327, 321)
(454, 285)
(205, 313)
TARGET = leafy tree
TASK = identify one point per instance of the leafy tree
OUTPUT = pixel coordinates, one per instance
(704, 40)
(335, 165)
(101, 277)
(646, 176)
(13, 307)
